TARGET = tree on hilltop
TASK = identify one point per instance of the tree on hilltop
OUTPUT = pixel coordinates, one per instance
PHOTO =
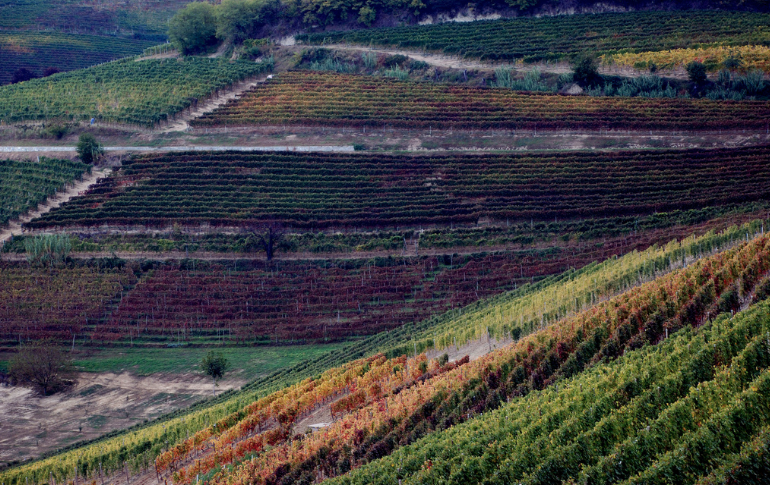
(193, 28)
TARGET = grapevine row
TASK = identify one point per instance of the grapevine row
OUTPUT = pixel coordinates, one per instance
(328, 99)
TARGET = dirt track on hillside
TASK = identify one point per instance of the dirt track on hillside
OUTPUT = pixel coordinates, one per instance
(455, 62)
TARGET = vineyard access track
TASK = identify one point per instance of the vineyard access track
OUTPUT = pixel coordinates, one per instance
(454, 62)
(181, 123)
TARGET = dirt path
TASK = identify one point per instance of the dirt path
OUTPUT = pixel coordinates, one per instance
(190, 148)
(182, 123)
(454, 62)
(14, 227)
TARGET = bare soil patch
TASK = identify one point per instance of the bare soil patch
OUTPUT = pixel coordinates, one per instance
(98, 404)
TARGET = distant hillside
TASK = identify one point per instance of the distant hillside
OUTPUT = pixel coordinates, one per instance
(139, 19)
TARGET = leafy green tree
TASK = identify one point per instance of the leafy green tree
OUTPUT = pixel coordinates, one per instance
(366, 15)
(238, 20)
(214, 364)
(696, 71)
(585, 72)
(89, 150)
(193, 28)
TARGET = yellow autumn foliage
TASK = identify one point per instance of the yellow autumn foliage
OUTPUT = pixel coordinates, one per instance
(751, 57)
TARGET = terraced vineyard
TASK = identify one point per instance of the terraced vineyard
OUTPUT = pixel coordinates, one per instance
(387, 407)
(232, 418)
(38, 51)
(369, 191)
(59, 304)
(144, 19)
(24, 185)
(325, 99)
(143, 93)
(558, 37)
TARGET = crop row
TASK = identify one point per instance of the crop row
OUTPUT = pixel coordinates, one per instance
(56, 303)
(143, 19)
(319, 190)
(552, 38)
(127, 91)
(315, 98)
(550, 297)
(288, 302)
(38, 51)
(668, 413)
(24, 185)
(751, 57)
(380, 412)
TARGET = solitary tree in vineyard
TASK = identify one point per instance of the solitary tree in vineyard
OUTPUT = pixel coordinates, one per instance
(214, 364)
(43, 366)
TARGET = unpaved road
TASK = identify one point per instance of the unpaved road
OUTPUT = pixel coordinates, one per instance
(99, 403)
(188, 148)
(454, 62)
(80, 186)
(181, 122)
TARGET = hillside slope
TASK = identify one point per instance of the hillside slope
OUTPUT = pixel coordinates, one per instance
(528, 309)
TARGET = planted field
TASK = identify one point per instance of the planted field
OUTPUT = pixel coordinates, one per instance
(553, 297)
(286, 303)
(752, 57)
(143, 19)
(387, 404)
(56, 303)
(127, 91)
(364, 191)
(38, 51)
(313, 98)
(558, 37)
(24, 185)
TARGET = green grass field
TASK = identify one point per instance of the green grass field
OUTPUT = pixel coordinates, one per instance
(247, 362)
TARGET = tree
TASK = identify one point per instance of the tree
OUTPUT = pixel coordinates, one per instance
(696, 72)
(239, 19)
(214, 364)
(22, 74)
(89, 150)
(585, 72)
(50, 71)
(193, 28)
(42, 366)
(267, 237)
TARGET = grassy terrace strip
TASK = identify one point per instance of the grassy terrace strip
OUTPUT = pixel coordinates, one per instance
(126, 91)
(390, 403)
(366, 191)
(563, 36)
(143, 443)
(622, 233)
(38, 51)
(315, 98)
(25, 184)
